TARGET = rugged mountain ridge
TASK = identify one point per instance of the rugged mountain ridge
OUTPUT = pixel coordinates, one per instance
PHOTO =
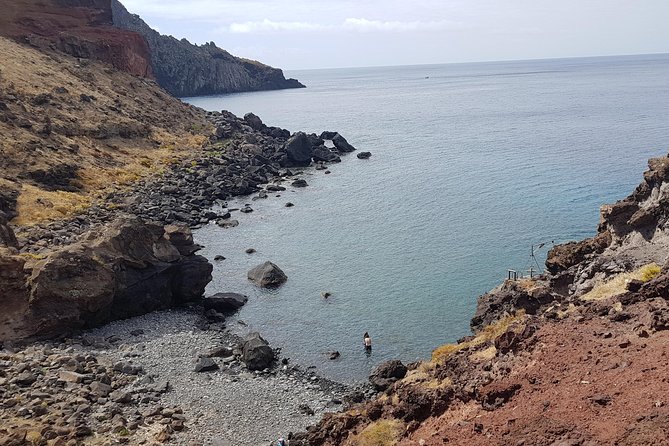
(576, 357)
(185, 69)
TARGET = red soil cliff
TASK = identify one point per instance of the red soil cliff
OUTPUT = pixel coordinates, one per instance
(81, 28)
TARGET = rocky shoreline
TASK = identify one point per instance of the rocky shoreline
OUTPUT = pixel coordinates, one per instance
(133, 381)
(243, 157)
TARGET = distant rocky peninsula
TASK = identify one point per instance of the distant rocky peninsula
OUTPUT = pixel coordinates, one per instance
(106, 31)
(185, 69)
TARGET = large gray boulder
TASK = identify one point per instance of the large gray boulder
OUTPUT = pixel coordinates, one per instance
(322, 153)
(299, 150)
(225, 302)
(267, 275)
(256, 352)
(387, 373)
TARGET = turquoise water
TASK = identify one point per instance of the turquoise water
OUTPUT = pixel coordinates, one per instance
(472, 164)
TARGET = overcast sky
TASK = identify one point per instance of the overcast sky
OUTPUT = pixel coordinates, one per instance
(347, 33)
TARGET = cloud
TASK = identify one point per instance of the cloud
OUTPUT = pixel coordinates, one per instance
(349, 24)
(271, 26)
(365, 25)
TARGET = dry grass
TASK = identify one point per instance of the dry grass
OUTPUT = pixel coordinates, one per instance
(169, 131)
(380, 433)
(36, 205)
(484, 355)
(486, 335)
(618, 284)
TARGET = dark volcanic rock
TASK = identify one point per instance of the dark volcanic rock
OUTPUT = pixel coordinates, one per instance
(299, 183)
(364, 155)
(341, 144)
(387, 373)
(298, 150)
(225, 302)
(322, 153)
(256, 352)
(7, 237)
(267, 275)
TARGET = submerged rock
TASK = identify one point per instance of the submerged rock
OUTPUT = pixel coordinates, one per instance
(267, 275)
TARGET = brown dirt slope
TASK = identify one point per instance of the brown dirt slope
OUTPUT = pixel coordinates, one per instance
(71, 129)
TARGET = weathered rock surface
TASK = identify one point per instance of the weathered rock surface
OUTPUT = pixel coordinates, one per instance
(387, 373)
(185, 69)
(256, 352)
(80, 28)
(127, 268)
(267, 275)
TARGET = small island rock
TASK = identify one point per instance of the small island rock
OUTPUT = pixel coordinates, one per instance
(267, 275)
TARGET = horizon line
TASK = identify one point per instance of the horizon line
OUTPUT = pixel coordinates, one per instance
(478, 62)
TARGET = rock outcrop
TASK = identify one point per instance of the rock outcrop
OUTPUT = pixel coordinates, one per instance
(185, 69)
(125, 269)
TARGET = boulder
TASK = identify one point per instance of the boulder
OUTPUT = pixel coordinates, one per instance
(225, 302)
(205, 365)
(254, 121)
(324, 154)
(387, 373)
(341, 144)
(298, 150)
(299, 183)
(267, 275)
(364, 155)
(256, 352)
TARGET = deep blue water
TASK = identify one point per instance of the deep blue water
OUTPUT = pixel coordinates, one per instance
(472, 164)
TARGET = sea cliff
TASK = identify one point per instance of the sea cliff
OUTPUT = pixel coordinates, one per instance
(185, 69)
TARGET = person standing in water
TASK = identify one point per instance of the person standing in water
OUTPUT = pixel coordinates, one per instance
(367, 341)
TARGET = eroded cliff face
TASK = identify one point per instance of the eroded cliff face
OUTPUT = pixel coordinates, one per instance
(185, 69)
(127, 268)
(80, 28)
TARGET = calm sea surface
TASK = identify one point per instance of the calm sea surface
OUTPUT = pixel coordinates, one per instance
(472, 164)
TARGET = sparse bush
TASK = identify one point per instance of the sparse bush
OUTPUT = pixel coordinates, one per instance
(381, 433)
(617, 285)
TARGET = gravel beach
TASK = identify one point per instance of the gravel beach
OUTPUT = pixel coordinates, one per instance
(227, 406)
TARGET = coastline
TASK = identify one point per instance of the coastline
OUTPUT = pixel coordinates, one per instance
(159, 348)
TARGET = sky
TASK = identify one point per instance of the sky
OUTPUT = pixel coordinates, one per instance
(303, 34)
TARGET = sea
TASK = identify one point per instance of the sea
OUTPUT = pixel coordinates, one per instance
(476, 169)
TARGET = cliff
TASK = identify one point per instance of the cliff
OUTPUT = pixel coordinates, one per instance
(577, 356)
(80, 28)
(185, 69)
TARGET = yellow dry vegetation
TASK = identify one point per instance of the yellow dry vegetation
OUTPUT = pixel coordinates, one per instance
(143, 129)
(380, 433)
(618, 284)
(484, 355)
(36, 205)
(486, 335)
